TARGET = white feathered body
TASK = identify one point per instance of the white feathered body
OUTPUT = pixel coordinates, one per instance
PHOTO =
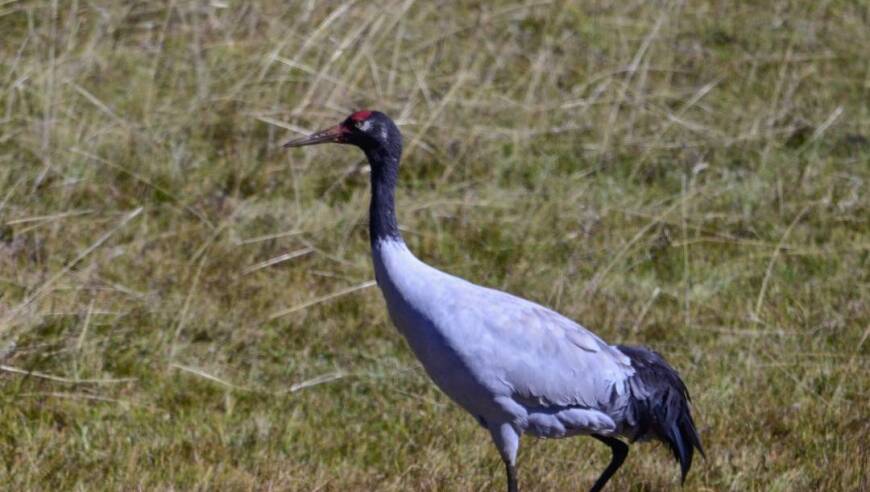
(502, 358)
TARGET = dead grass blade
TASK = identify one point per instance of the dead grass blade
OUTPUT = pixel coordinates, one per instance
(324, 378)
(276, 260)
(210, 377)
(314, 302)
(61, 379)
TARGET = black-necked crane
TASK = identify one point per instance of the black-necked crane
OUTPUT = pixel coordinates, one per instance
(517, 367)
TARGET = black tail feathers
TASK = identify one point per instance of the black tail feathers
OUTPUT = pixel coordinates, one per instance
(660, 405)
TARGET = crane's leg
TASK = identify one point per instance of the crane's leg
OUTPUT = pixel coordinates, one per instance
(507, 440)
(511, 476)
(620, 451)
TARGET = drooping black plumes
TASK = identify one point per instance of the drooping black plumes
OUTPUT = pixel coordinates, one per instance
(660, 405)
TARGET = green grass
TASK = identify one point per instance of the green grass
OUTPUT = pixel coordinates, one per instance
(686, 175)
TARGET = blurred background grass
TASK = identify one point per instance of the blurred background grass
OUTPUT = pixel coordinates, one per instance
(183, 305)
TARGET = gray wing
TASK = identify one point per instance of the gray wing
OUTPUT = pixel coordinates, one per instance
(545, 358)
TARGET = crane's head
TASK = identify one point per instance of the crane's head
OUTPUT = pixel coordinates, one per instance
(368, 130)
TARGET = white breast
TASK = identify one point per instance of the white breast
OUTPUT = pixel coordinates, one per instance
(422, 302)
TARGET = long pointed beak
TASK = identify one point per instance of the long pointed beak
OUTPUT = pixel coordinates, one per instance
(333, 134)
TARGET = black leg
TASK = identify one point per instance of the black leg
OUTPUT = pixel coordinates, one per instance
(620, 451)
(511, 477)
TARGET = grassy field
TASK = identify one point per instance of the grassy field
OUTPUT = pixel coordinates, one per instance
(185, 306)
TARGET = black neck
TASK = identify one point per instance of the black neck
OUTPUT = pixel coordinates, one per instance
(382, 211)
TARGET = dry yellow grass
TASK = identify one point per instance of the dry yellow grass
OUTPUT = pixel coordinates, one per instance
(686, 175)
